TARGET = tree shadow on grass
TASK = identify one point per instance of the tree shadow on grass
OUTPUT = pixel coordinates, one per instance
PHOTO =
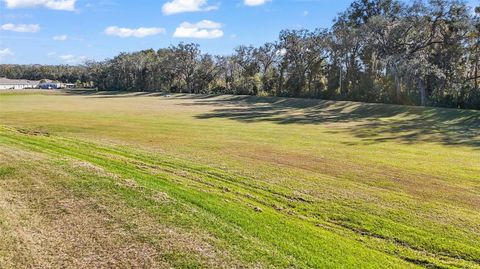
(128, 94)
(372, 123)
(108, 94)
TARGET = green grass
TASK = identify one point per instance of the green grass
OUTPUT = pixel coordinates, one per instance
(234, 181)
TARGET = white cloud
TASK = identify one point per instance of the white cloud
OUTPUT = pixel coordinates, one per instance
(4, 53)
(128, 32)
(180, 6)
(60, 37)
(204, 29)
(72, 59)
(253, 3)
(68, 5)
(305, 13)
(12, 16)
(68, 58)
(22, 28)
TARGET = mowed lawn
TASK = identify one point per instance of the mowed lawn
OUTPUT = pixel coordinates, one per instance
(128, 180)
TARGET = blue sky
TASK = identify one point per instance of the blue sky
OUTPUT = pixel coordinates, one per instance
(70, 31)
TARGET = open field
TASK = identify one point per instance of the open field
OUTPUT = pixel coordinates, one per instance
(91, 180)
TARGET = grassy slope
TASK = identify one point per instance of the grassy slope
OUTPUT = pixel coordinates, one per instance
(237, 181)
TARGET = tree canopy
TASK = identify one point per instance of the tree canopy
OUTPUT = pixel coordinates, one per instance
(419, 53)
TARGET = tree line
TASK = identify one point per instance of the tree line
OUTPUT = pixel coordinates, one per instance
(417, 53)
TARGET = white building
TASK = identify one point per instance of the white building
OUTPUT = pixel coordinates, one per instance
(51, 84)
(17, 84)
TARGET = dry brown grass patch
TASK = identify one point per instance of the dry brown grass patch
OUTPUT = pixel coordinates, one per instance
(45, 225)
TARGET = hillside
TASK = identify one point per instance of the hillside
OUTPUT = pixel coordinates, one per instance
(125, 180)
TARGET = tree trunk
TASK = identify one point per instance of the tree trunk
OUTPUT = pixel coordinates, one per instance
(309, 83)
(398, 85)
(423, 93)
(280, 82)
(476, 73)
(340, 80)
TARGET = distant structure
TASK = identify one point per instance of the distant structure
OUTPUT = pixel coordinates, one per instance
(18, 84)
(50, 84)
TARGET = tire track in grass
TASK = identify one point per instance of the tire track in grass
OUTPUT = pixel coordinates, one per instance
(294, 242)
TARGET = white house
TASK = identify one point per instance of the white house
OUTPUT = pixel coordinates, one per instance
(17, 84)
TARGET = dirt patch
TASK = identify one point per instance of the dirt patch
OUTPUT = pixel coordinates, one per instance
(34, 132)
(88, 166)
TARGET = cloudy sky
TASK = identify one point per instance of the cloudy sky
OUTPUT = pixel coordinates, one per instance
(71, 31)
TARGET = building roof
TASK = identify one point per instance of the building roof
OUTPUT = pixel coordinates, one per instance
(7, 81)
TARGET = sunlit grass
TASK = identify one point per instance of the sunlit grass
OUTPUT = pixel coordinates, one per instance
(270, 181)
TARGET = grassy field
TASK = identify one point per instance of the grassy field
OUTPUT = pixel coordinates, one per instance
(91, 180)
